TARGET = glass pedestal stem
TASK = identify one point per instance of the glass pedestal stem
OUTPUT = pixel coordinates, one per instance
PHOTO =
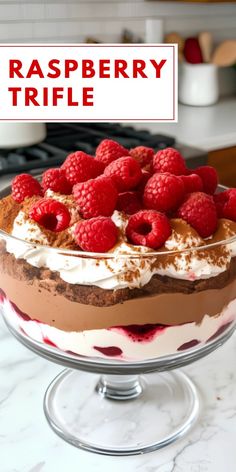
(119, 387)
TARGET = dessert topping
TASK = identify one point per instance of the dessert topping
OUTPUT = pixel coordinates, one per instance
(96, 197)
(123, 180)
(55, 180)
(199, 211)
(148, 228)
(183, 236)
(169, 160)
(96, 235)
(143, 155)
(226, 204)
(164, 192)
(50, 214)
(129, 202)
(125, 172)
(108, 151)
(25, 186)
(80, 167)
(192, 183)
(209, 178)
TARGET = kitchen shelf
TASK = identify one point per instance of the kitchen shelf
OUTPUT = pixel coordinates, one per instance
(206, 128)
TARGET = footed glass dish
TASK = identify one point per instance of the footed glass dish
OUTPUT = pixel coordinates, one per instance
(119, 394)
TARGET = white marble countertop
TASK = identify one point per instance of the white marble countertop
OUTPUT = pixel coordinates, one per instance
(207, 128)
(27, 444)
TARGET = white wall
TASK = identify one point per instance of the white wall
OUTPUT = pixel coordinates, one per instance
(71, 20)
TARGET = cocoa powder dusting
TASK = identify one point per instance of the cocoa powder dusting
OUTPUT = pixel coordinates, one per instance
(63, 239)
(9, 209)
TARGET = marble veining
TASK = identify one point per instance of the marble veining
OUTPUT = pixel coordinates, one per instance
(27, 444)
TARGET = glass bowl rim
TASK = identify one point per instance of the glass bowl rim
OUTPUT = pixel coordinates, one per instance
(109, 255)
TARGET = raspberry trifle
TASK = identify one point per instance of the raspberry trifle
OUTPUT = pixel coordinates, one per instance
(127, 255)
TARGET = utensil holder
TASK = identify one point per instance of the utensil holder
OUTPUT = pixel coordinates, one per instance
(198, 84)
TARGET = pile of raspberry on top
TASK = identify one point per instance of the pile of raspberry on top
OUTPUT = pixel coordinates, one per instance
(150, 188)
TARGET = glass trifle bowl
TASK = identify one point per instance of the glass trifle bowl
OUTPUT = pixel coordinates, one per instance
(120, 321)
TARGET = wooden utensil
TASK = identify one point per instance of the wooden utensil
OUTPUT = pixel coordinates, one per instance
(176, 38)
(225, 53)
(206, 42)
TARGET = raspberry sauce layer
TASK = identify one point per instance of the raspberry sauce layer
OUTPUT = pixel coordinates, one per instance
(114, 343)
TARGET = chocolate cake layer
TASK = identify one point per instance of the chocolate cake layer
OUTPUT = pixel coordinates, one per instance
(44, 296)
(50, 281)
(165, 309)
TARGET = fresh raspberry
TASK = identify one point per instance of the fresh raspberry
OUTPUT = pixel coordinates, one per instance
(125, 172)
(169, 160)
(164, 192)
(96, 197)
(129, 202)
(55, 180)
(199, 211)
(189, 171)
(209, 178)
(108, 151)
(96, 235)
(80, 167)
(192, 183)
(226, 204)
(146, 175)
(143, 155)
(148, 228)
(50, 214)
(220, 200)
(25, 186)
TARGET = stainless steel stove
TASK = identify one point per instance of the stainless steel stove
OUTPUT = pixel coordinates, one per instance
(68, 137)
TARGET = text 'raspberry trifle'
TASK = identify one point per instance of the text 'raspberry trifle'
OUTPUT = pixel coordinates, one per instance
(127, 255)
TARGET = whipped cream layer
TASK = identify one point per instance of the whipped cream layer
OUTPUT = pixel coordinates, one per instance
(119, 271)
(114, 343)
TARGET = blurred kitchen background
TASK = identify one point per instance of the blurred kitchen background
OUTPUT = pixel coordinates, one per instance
(206, 130)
